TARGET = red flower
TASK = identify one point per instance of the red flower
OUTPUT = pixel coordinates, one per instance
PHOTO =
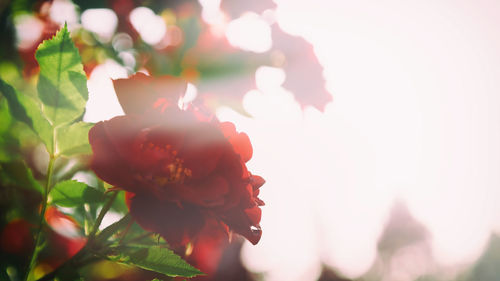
(15, 238)
(63, 237)
(180, 169)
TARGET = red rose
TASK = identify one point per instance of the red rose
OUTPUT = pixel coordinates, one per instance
(180, 169)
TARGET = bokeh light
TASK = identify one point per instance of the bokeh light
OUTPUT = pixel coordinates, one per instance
(150, 26)
(250, 33)
(103, 22)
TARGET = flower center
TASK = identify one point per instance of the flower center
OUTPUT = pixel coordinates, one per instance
(172, 170)
(177, 173)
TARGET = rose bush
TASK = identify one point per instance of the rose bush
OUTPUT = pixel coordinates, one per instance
(180, 168)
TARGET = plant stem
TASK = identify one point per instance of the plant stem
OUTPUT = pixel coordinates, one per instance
(140, 237)
(125, 232)
(103, 212)
(73, 261)
(36, 250)
(113, 228)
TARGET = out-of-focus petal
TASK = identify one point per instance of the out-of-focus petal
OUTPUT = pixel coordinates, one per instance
(139, 93)
(107, 162)
(240, 141)
(15, 237)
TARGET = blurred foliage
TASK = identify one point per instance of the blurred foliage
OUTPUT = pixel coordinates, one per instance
(193, 49)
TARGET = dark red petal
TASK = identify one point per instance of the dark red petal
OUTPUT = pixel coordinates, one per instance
(16, 237)
(209, 192)
(204, 145)
(209, 246)
(257, 181)
(244, 222)
(139, 93)
(254, 214)
(176, 224)
(123, 133)
(240, 141)
(106, 162)
(259, 202)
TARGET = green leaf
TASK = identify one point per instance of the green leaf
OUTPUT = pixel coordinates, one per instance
(18, 174)
(120, 204)
(71, 193)
(9, 148)
(16, 108)
(27, 110)
(158, 259)
(62, 85)
(4, 116)
(40, 124)
(73, 139)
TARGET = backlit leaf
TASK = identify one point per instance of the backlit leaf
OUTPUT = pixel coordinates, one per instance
(73, 139)
(27, 110)
(73, 193)
(158, 259)
(62, 85)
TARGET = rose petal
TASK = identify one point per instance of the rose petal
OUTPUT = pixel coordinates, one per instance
(240, 141)
(254, 214)
(244, 222)
(257, 181)
(209, 246)
(203, 147)
(106, 162)
(209, 192)
(139, 93)
(176, 224)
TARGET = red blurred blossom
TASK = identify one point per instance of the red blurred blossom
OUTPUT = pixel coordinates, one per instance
(122, 8)
(15, 238)
(27, 54)
(63, 237)
(182, 169)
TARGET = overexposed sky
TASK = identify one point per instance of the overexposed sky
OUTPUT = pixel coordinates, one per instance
(414, 117)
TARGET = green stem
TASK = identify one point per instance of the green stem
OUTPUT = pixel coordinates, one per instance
(140, 237)
(103, 212)
(37, 248)
(73, 262)
(112, 229)
(125, 232)
(88, 218)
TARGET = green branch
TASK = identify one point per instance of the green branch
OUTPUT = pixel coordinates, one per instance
(38, 233)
